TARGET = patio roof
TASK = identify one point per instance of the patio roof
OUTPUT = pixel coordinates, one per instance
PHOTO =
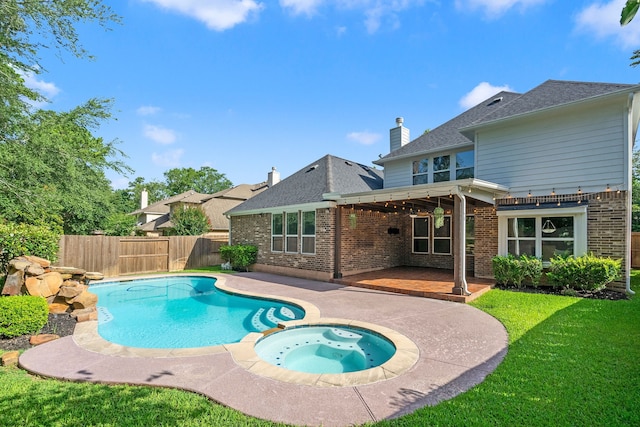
(474, 188)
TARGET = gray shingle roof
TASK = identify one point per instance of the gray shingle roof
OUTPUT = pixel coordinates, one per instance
(447, 135)
(329, 174)
(550, 94)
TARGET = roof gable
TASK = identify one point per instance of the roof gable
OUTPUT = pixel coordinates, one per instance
(552, 93)
(447, 135)
(329, 174)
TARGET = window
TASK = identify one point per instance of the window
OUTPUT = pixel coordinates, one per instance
(470, 233)
(464, 165)
(309, 232)
(292, 232)
(421, 235)
(441, 166)
(421, 171)
(543, 233)
(276, 233)
(442, 237)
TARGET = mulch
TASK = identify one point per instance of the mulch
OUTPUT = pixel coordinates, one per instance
(59, 324)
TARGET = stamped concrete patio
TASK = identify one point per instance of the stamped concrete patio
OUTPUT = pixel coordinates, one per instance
(458, 347)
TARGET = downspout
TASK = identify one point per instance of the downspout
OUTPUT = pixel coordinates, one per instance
(462, 238)
(630, 137)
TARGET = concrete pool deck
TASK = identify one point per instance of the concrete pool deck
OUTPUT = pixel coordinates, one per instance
(458, 347)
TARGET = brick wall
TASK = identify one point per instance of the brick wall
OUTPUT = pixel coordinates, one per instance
(486, 244)
(366, 242)
(607, 228)
(256, 230)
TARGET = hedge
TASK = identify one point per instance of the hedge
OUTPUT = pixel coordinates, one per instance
(22, 315)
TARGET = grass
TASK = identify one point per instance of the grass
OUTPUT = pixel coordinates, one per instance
(571, 362)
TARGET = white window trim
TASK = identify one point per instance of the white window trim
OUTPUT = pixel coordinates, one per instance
(413, 237)
(434, 238)
(277, 235)
(286, 233)
(453, 169)
(302, 236)
(450, 170)
(579, 215)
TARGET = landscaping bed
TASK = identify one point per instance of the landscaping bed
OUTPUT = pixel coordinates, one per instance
(59, 324)
(605, 294)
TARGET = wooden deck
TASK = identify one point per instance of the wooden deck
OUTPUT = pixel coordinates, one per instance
(423, 282)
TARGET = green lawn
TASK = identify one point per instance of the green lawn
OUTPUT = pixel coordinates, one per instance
(571, 362)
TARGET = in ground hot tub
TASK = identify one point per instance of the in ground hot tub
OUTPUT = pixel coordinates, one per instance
(325, 349)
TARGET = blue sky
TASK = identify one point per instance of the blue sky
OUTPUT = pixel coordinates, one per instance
(243, 86)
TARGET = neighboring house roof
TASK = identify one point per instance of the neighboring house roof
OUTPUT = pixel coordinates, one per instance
(330, 174)
(214, 206)
(447, 135)
(162, 206)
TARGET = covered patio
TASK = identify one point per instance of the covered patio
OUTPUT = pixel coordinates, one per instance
(418, 281)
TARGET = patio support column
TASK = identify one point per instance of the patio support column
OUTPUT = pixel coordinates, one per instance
(337, 244)
(459, 244)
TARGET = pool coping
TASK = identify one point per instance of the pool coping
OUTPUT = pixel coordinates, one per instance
(406, 355)
(459, 346)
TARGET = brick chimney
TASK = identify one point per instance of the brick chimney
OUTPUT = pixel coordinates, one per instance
(399, 135)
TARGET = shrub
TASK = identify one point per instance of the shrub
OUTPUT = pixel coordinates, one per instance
(24, 239)
(240, 256)
(587, 272)
(509, 270)
(189, 222)
(22, 314)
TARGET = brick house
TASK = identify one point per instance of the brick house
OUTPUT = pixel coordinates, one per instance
(541, 173)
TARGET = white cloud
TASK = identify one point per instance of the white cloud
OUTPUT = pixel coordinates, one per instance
(481, 92)
(159, 134)
(148, 110)
(48, 89)
(495, 8)
(364, 138)
(301, 7)
(377, 13)
(217, 15)
(603, 21)
(168, 159)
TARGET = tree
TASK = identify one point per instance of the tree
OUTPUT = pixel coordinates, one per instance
(628, 13)
(205, 180)
(189, 221)
(54, 173)
(26, 28)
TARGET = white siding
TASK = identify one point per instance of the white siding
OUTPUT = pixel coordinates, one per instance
(398, 174)
(585, 149)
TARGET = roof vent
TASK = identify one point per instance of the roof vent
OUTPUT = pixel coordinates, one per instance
(495, 101)
(348, 163)
(312, 168)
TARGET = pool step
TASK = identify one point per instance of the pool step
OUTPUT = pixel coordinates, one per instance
(264, 319)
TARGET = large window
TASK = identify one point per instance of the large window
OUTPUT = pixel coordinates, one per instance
(441, 168)
(309, 232)
(421, 235)
(292, 232)
(464, 165)
(544, 233)
(276, 233)
(421, 171)
(442, 238)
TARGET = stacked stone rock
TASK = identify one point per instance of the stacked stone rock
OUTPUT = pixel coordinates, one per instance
(65, 288)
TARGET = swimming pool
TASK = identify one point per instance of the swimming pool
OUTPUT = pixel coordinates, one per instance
(182, 312)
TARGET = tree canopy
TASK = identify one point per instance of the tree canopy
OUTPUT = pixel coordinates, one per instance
(205, 180)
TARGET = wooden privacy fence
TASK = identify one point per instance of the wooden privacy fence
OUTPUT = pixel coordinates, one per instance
(635, 250)
(115, 256)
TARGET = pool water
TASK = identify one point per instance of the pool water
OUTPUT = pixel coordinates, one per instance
(325, 349)
(182, 312)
